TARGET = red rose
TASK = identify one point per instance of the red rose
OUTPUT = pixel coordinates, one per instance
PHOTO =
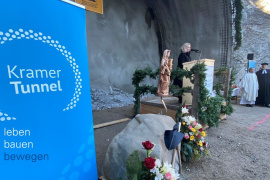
(204, 143)
(147, 145)
(200, 129)
(149, 163)
(199, 136)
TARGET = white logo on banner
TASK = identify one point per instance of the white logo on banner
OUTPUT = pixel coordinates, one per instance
(4, 116)
(30, 34)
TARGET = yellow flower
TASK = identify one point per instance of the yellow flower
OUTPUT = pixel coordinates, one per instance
(191, 138)
(184, 123)
(203, 134)
(193, 130)
(200, 143)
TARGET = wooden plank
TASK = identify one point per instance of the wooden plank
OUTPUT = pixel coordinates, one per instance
(223, 116)
(171, 102)
(196, 92)
(150, 109)
(227, 84)
(110, 123)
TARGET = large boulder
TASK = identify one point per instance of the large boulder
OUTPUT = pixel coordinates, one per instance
(141, 128)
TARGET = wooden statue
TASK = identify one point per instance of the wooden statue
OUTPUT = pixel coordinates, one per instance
(164, 76)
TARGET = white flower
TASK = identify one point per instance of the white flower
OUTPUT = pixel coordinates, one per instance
(175, 175)
(184, 110)
(191, 118)
(184, 118)
(190, 133)
(154, 170)
(159, 176)
(158, 163)
(166, 168)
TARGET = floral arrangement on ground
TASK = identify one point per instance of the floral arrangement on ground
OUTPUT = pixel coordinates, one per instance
(193, 143)
(150, 168)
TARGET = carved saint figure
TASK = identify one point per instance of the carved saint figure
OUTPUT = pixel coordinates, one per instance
(165, 73)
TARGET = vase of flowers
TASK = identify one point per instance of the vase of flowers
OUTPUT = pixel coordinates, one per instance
(150, 168)
(193, 143)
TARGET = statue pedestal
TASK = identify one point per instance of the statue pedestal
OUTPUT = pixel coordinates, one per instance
(187, 97)
(155, 106)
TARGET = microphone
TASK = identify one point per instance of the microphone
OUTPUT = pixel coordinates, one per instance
(195, 50)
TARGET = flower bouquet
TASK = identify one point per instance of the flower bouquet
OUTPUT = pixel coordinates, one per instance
(193, 143)
(150, 168)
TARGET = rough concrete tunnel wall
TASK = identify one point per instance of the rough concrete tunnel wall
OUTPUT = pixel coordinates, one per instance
(132, 35)
(119, 41)
(206, 24)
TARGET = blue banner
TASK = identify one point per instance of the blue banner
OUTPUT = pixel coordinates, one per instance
(46, 125)
(251, 63)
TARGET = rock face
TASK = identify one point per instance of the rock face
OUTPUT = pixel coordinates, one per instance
(255, 37)
(140, 129)
(119, 41)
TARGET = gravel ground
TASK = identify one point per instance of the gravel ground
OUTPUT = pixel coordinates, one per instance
(112, 98)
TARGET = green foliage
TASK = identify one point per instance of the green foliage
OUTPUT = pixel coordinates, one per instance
(217, 87)
(179, 113)
(139, 75)
(140, 91)
(187, 151)
(210, 114)
(133, 166)
(219, 73)
(209, 108)
(180, 73)
(176, 91)
(137, 78)
(237, 22)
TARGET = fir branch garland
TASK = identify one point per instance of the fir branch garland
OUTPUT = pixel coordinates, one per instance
(137, 78)
(209, 108)
(237, 24)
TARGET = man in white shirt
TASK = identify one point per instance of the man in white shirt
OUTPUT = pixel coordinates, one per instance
(263, 75)
(249, 86)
